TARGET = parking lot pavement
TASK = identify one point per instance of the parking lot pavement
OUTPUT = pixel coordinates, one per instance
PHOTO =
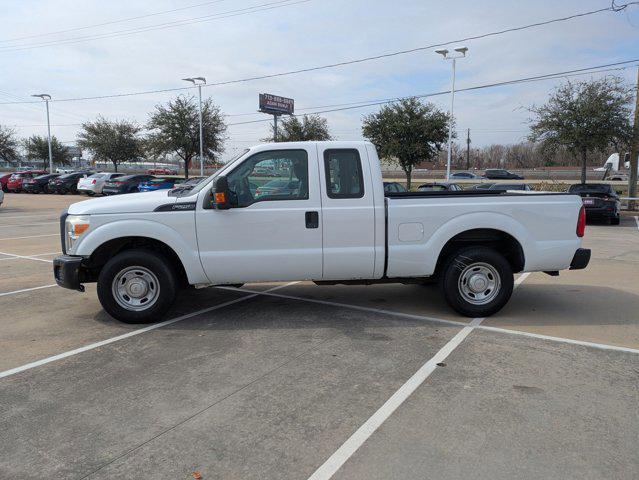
(236, 385)
(264, 389)
(512, 407)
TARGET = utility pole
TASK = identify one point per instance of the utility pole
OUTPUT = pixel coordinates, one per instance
(634, 154)
(199, 81)
(46, 97)
(445, 53)
(275, 127)
(468, 149)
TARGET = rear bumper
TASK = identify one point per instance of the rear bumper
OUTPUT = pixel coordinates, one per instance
(67, 271)
(580, 259)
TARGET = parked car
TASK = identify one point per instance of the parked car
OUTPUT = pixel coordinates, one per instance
(39, 184)
(439, 187)
(276, 188)
(187, 184)
(64, 170)
(394, 187)
(125, 184)
(15, 181)
(337, 227)
(67, 183)
(600, 200)
(162, 171)
(93, 184)
(464, 176)
(510, 186)
(501, 174)
(158, 184)
(482, 186)
(3, 181)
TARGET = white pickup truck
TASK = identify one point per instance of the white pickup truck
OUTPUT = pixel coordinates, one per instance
(313, 211)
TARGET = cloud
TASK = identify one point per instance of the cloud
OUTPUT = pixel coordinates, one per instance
(298, 36)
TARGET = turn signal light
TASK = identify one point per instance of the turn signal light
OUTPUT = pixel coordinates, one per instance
(581, 222)
(220, 197)
(80, 228)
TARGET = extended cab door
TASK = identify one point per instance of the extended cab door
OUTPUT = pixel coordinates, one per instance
(348, 212)
(273, 232)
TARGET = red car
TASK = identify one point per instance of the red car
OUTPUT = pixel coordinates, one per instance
(14, 184)
(3, 181)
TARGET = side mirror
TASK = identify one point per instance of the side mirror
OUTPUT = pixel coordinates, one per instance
(221, 195)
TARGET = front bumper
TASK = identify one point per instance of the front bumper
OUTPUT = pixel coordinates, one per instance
(67, 271)
(580, 259)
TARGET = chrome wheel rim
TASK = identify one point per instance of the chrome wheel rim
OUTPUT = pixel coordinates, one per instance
(135, 288)
(479, 283)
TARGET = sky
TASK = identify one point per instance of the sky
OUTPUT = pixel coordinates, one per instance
(102, 51)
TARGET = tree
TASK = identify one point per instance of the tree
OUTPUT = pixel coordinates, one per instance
(175, 129)
(37, 148)
(116, 142)
(291, 129)
(8, 144)
(584, 117)
(409, 131)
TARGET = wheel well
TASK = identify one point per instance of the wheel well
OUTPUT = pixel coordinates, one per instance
(502, 242)
(109, 249)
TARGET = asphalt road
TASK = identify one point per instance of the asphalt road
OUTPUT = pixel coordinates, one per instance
(299, 381)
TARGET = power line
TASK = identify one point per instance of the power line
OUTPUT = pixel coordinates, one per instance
(112, 22)
(344, 63)
(354, 105)
(161, 26)
(549, 76)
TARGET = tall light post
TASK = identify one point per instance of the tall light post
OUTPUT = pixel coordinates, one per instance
(199, 81)
(46, 97)
(445, 53)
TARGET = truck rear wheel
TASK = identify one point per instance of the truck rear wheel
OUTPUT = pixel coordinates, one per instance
(477, 281)
(137, 286)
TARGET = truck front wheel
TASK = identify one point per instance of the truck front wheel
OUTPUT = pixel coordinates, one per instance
(137, 286)
(477, 281)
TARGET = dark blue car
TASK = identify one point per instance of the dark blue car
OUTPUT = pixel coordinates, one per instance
(157, 184)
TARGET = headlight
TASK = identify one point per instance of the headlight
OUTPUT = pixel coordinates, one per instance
(75, 226)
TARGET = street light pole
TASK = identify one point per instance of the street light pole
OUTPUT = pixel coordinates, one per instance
(462, 51)
(46, 97)
(199, 81)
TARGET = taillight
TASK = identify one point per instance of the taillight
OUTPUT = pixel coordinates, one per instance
(581, 222)
(93, 182)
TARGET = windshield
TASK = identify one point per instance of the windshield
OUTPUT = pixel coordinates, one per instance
(589, 188)
(183, 192)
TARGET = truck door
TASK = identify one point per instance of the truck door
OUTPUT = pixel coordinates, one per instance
(348, 213)
(273, 232)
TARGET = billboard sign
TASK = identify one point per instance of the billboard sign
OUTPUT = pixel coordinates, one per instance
(276, 105)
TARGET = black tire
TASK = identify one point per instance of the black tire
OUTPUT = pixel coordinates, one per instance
(153, 262)
(615, 220)
(486, 261)
(5, 189)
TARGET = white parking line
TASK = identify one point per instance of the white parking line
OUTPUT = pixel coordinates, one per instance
(600, 346)
(24, 257)
(28, 224)
(133, 333)
(28, 289)
(54, 214)
(30, 257)
(32, 236)
(350, 446)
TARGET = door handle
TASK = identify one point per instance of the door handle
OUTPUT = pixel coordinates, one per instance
(312, 219)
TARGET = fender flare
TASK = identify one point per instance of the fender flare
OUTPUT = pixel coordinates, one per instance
(188, 256)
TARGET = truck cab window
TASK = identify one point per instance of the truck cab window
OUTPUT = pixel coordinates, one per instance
(269, 176)
(344, 177)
